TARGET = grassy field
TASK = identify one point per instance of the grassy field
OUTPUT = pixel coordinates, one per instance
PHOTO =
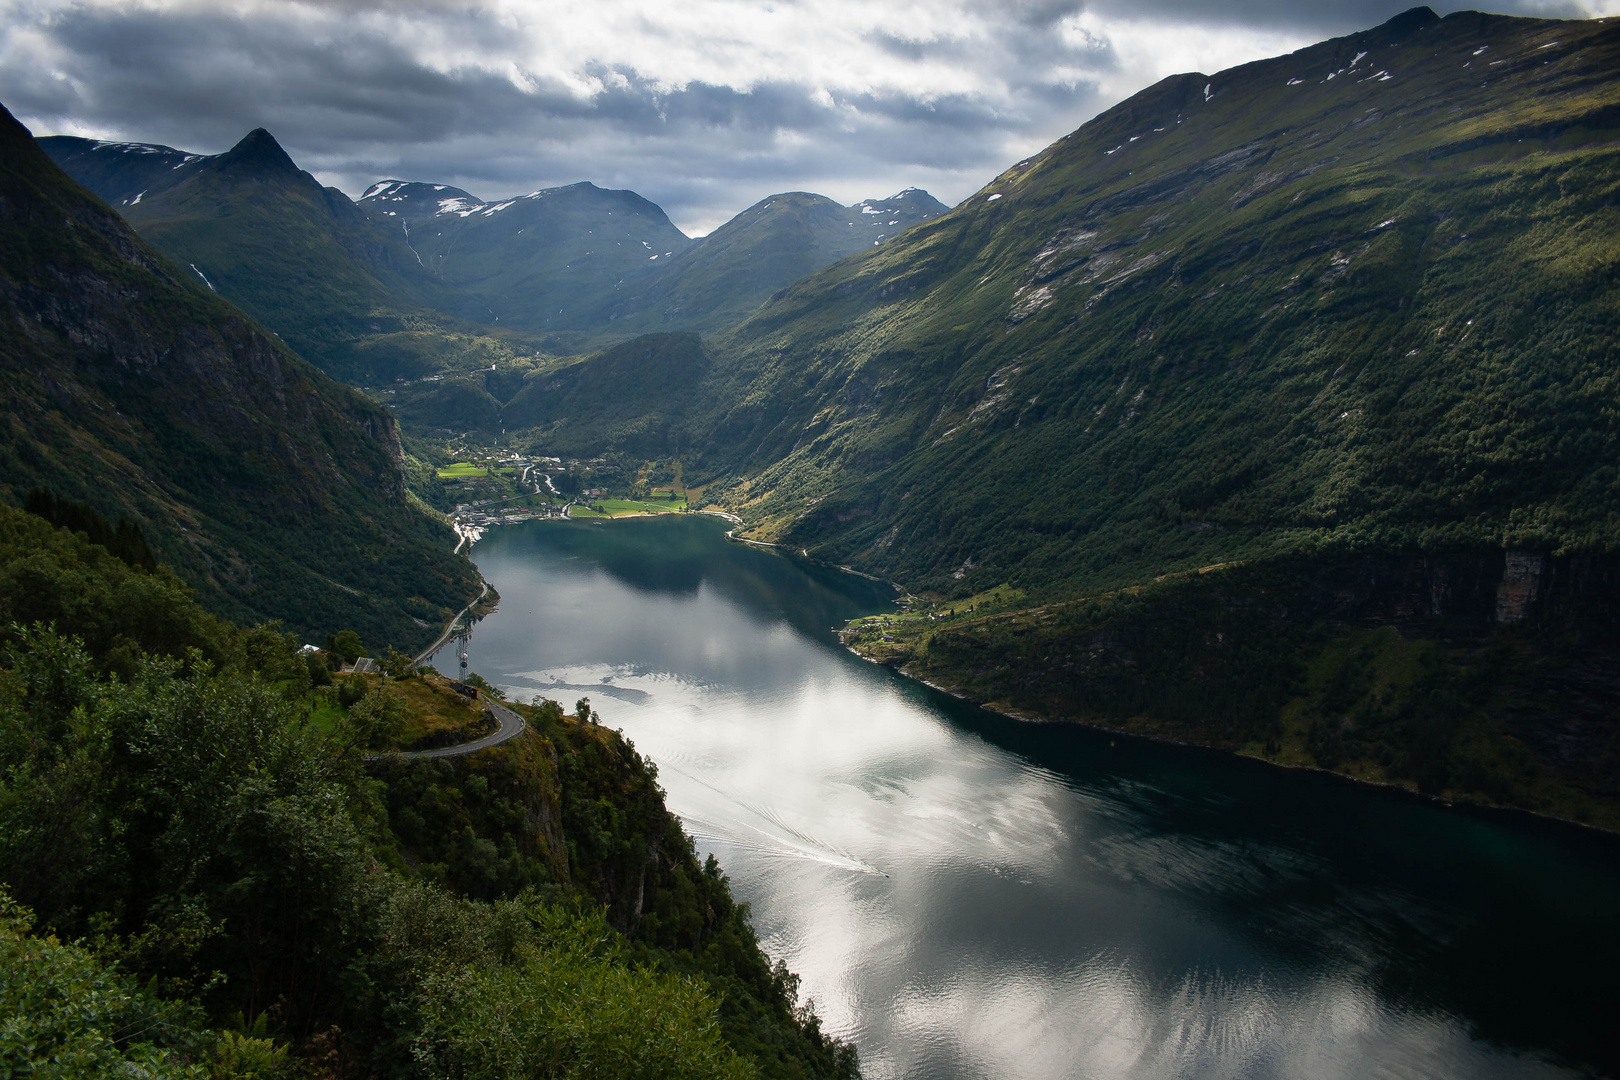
(438, 714)
(612, 508)
(462, 470)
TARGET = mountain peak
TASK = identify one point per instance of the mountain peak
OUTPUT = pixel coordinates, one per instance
(259, 151)
(1410, 21)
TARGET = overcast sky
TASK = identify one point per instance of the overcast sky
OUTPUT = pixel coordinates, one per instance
(703, 106)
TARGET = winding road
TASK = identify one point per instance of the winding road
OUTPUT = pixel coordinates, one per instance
(512, 725)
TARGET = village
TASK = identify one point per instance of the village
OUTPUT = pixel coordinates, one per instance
(521, 488)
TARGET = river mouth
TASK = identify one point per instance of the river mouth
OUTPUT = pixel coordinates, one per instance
(966, 895)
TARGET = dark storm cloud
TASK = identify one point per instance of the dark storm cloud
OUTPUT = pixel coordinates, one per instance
(1340, 16)
(684, 112)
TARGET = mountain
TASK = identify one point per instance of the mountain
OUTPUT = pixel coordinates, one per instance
(347, 294)
(119, 172)
(654, 380)
(591, 265)
(419, 278)
(1164, 414)
(722, 277)
(550, 261)
(1357, 294)
(130, 386)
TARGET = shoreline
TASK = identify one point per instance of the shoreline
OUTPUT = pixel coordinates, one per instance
(1384, 785)
(448, 632)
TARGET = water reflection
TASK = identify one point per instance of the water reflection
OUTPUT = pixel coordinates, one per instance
(970, 896)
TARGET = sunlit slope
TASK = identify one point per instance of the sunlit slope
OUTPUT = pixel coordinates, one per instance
(128, 385)
(1365, 295)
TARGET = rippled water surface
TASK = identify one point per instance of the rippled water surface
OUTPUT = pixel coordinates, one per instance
(970, 896)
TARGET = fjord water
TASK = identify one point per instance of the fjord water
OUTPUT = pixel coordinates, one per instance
(966, 895)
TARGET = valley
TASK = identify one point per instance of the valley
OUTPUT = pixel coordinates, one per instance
(1244, 327)
(1335, 350)
(1158, 616)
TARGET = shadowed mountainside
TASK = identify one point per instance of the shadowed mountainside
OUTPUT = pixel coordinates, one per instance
(347, 294)
(129, 386)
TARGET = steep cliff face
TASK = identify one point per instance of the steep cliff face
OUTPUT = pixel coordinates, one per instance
(131, 387)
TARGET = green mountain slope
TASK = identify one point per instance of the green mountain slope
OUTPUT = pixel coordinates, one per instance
(589, 266)
(131, 387)
(1365, 294)
(347, 294)
(551, 261)
(1167, 419)
(725, 275)
(119, 172)
(628, 399)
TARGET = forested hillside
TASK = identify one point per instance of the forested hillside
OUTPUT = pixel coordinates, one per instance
(232, 889)
(1362, 294)
(131, 387)
(1345, 317)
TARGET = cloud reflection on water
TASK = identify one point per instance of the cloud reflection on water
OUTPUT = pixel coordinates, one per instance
(954, 908)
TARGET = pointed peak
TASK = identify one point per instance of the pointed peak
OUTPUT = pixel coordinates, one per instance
(259, 151)
(1410, 21)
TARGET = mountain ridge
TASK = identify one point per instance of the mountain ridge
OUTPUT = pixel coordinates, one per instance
(347, 294)
(131, 387)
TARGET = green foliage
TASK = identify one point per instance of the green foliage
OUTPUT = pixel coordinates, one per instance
(345, 644)
(209, 822)
(397, 665)
(560, 998)
(64, 1014)
(169, 807)
(237, 1056)
(52, 577)
(377, 719)
(124, 541)
(518, 988)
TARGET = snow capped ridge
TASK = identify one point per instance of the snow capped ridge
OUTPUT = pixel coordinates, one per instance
(382, 188)
(135, 147)
(458, 205)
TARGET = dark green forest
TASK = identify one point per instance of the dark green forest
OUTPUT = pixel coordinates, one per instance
(204, 874)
